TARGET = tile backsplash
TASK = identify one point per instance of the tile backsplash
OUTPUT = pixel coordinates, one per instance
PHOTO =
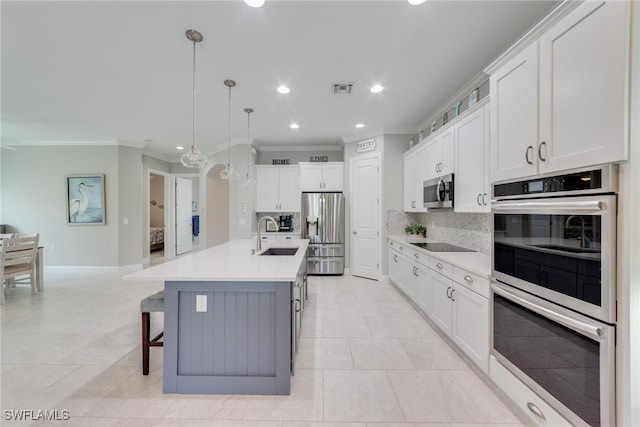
(469, 230)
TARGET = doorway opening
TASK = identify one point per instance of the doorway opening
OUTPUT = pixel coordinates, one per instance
(157, 218)
(217, 201)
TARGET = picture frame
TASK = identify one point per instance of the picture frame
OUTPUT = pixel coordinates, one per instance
(85, 199)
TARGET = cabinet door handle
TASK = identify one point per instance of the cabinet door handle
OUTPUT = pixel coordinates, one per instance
(415, 271)
(452, 291)
(448, 295)
(537, 412)
(526, 154)
(402, 248)
(395, 258)
(355, 232)
(542, 144)
(478, 199)
(439, 266)
(484, 199)
(468, 279)
(416, 256)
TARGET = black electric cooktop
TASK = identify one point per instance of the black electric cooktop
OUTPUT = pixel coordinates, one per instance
(441, 247)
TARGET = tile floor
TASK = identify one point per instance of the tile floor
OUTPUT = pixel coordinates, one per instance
(366, 359)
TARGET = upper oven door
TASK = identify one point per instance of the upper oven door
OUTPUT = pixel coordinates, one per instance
(561, 249)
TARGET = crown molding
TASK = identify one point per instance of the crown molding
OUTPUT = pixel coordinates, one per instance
(298, 147)
(380, 132)
(476, 81)
(562, 10)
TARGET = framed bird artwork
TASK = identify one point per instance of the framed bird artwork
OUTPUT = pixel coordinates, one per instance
(85, 199)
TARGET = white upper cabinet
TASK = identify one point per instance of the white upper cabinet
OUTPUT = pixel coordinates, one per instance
(562, 103)
(583, 88)
(440, 153)
(514, 118)
(415, 173)
(277, 188)
(472, 190)
(321, 176)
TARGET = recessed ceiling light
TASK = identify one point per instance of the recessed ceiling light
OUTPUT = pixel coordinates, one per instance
(179, 147)
(360, 125)
(412, 2)
(254, 3)
(294, 126)
(376, 89)
(283, 89)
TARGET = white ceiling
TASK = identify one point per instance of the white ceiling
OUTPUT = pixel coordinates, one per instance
(107, 72)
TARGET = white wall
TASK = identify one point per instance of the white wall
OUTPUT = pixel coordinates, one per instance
(129, 196)
(34, 200)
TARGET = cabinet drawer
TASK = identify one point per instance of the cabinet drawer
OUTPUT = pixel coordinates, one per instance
(524, 397)
(441, 267)
(472, 281)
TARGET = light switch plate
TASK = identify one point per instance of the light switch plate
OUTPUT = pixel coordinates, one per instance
(201, 303)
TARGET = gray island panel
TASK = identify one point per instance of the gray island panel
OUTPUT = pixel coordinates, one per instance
(240, 345)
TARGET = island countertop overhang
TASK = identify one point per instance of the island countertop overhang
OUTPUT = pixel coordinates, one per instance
(232, 262)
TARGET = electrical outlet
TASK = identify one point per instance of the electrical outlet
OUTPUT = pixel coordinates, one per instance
(125, 221)
(201, 303)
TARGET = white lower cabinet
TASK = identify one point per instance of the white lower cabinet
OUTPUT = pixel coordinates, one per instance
(463, 315)
(454, 299)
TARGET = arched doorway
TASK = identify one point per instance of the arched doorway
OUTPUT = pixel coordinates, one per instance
(217, 207)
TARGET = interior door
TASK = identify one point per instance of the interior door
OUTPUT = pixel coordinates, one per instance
(183, 216)
(365, 199)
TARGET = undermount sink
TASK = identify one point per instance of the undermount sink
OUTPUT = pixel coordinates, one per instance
(280, 251)
(569, 249)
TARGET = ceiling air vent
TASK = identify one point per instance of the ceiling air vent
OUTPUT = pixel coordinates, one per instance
(342, 88)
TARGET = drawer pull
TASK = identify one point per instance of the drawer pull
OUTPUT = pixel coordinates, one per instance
(452, 291)
(533, 408)
(439, 265)
(448, 295)
(395, 258)
(468, 279)
(402, 248)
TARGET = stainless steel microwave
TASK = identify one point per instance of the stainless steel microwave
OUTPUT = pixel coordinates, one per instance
(438, 192)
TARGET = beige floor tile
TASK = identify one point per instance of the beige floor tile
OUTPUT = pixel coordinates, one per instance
(379, 353)
(311, 326)
(491, 406)
(208, 407)
(433, 396)
(304, 404)
(26, 381)
(345, 327)
(369, 308)
(323, 309)
(359, 396)
(323, 424)
(432, 353)
(409, 425)
(390, 327)
(243, 423)
(324, 353)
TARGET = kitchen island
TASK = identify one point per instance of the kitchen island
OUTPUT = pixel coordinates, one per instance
(231, 318)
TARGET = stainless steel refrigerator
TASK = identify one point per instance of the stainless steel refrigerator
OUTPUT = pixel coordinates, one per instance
(322, 221)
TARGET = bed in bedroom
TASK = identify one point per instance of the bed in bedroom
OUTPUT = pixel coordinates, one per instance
(156, 238)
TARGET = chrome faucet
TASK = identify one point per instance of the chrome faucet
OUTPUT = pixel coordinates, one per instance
(259, 242)
(583, 237)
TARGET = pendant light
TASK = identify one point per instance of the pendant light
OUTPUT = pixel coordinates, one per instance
(248, 180)
(194, 158)
(229, 172)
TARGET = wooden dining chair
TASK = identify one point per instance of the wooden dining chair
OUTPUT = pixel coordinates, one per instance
(18, 257)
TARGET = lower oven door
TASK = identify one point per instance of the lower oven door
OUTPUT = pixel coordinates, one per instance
(566, 358)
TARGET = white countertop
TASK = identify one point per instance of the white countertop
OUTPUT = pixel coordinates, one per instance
(231, 261)
(473, 262)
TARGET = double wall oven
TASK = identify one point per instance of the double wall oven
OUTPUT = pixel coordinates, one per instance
(554, 289)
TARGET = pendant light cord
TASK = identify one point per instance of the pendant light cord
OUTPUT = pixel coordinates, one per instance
(229, 154)
(193, 134)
